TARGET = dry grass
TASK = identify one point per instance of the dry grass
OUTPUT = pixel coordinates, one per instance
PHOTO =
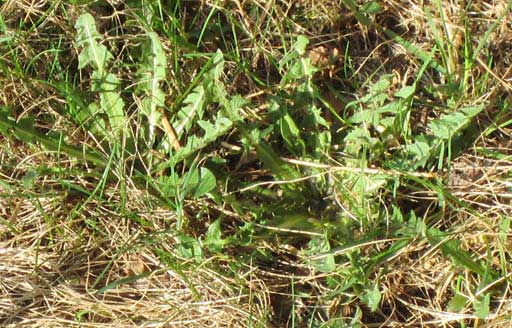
(58, 246)
(48, 270)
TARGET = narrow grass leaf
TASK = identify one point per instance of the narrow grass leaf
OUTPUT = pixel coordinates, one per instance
(9, 127)
(451, 248)
(424, 56)
(123, 281)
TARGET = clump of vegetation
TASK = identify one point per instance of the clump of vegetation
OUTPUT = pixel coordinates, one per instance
(254, 164)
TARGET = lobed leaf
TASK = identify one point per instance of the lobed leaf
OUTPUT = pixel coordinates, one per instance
(97, 56)
(152, 72)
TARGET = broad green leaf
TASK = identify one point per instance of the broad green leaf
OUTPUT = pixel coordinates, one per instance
(294, 61)
(212, 132)
(321, 246)
(195, 183)
(372, 298)
(291, 134)
(107, 84)
(301, 44)
(449, 125)
(236, 103)
(362, 18)
(151, 73)
(356, 140)
(189, 248)
(96, 123)
(29, 179)
(482, 306)
(215, 73)
(295, 221)
(206, 183)
(419, 152)
(377, 94)
(210, 89)
(308, 69)
(169, 185)
(405, 92)
(504, 229)
(382, 85)
(273, 162)
(390, 252)
(325, 264)
(369, 116)
(265, 152)
(322, 143)
(97, 56)
(457, 303)
(93, 53)
(245, 234)
(158, 61)
(113, 105)
(371, 8)
(364, 184)
(194, 107)
(318, 119)
(213, 239)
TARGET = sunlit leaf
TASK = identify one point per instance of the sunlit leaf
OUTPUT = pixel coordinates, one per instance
(320, 246)
(152, 72)
(205, 184)
(457, 303)
(482, 306)
(405, 92)
(213, 239)
(194, 103)
(97, 56)
(372, 298)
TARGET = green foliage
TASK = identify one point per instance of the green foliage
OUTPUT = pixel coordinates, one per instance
(295, 65)
(372, 298)
(482, 306)
(339, 183)
(151, 74)
(189, 248)
(326, 262)
(122, 281)
(97, 56)
(195, 183)
(451, 248)
(444, 129)
(194, 106)
(209, 91)
(24, 130)
(201, 96)
(363, 13)
(457, 303)
(213, 239)
(211, 132)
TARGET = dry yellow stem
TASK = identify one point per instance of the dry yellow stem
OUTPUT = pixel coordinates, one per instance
(171, 134)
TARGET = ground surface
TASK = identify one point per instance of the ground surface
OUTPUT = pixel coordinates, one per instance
(277, 163)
